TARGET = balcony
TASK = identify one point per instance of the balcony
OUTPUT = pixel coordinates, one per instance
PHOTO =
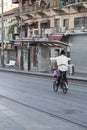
(79, 6)
(39, 9)
(31, 11)
(68, 2)
(64, 6)
(73, 6)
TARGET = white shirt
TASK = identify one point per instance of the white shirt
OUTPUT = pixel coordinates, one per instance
(62, 62)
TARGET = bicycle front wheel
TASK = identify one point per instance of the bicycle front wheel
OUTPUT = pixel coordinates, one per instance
(55, 86)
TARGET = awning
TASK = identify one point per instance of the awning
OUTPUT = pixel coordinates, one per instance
(55, 37)
(52, 43)
(32, 42)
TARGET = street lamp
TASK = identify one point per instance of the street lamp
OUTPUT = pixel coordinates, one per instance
(2, 35)
(21, 57)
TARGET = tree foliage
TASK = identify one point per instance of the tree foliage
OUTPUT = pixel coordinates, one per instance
(11, 29)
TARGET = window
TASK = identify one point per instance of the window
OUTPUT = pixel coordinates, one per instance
(57, 24)
(45, 24)
(66, 23)
(81, 21)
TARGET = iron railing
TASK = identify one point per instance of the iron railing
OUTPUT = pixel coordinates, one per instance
(56, 4)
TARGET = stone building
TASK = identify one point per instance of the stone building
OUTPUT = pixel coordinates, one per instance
(56, 20)
(9, 21)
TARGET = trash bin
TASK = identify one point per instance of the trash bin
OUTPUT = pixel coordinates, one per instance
(71, 69)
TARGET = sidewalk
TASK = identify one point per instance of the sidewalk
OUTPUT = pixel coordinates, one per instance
(76, 76)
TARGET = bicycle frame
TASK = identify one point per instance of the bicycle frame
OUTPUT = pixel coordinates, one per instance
(61, 81)
(63, 76)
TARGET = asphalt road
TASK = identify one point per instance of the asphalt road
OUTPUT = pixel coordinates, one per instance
(29, 103)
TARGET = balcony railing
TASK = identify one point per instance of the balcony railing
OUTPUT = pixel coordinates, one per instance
(27, 9)
(64, 2)
(30, 8)
(54, 4)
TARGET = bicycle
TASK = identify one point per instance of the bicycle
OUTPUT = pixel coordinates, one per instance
(63, 83)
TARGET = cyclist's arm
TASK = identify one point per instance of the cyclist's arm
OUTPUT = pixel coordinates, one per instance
(52, 58)
(68, 59)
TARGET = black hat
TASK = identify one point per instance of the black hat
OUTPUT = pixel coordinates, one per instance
(62, 52)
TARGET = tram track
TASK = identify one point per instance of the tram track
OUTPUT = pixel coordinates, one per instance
(44, 111)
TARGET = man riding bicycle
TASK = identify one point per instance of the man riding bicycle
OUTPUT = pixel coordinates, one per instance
(62, 63)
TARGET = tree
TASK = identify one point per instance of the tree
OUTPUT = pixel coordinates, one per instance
(11, 29)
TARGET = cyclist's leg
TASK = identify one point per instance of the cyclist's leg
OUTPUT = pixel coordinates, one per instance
(58, 78)
(65, 77)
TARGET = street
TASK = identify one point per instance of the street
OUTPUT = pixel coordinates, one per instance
(29, 103)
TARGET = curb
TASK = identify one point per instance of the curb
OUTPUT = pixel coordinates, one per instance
(49, 75)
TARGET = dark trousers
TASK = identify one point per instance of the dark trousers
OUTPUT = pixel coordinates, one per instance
(62, 75)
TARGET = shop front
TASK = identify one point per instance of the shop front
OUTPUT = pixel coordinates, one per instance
(23, 53)
(9, 52)
(36, 53)
(78, 43)
(40, 51)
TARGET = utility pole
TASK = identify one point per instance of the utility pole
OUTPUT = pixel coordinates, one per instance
(28, 56)
(2, 35)
(21, 57)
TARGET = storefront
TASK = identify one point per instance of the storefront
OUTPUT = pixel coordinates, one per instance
(23, 53)
(9, 51)
(40, 51)
(36, 53)
(78, 43)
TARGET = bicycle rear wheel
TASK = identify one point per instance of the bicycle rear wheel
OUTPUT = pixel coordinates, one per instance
(65, 88)
(55, 86)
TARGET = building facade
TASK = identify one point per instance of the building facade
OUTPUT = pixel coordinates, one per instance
(64, 20)
(9, 21)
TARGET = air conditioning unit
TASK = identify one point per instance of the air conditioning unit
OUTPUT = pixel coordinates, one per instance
(48, 31)
(35, 33)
